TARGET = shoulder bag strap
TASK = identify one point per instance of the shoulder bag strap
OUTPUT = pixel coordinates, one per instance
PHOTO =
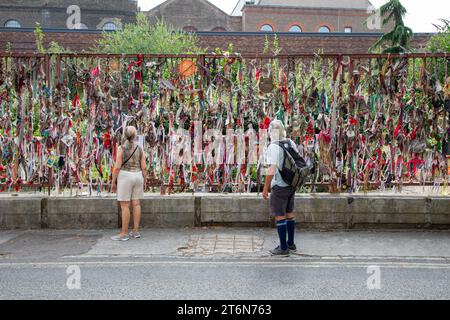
(130, 156)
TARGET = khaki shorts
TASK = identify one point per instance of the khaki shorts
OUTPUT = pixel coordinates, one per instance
(130, 186)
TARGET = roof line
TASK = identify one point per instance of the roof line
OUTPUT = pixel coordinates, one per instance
(303, 7)
(204, 1)
(300, 34)
(226, 33)
(235, 7)
(159, 5)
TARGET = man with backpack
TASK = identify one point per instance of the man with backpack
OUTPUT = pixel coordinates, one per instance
(286, 172)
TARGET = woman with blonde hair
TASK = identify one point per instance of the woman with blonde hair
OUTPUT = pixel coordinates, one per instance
(129, 172)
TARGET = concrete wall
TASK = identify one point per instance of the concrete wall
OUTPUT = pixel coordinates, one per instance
(313, 211)
(374, 211)
(168, 212)
(232, 209)
(24, 213)
(70, 213)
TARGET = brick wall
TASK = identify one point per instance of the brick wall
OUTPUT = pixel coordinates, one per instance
(243, 42)
(24, 41)
(202, 15)
(309, 19)
(53, 14)
(301, 43)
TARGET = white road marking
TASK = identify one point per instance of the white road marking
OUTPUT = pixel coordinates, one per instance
(263, 258)
(266, 264)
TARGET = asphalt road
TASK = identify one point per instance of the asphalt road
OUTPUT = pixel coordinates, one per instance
(170, 280)
(85, 265)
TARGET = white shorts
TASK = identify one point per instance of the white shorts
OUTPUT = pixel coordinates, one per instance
(130, 186)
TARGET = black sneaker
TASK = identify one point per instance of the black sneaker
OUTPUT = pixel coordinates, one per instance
(292, 248)
(278, 252)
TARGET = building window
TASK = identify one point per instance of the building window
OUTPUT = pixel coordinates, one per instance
(348, 30)
(189, 29)
(324, 29)
(295, 28)
(110, 26)
(219, 29)
(45, 15)
(267, 28)
(12, 24)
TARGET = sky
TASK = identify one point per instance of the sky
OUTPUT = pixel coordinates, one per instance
(421, 14)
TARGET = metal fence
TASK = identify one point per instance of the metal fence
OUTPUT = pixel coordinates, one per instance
(371, 121)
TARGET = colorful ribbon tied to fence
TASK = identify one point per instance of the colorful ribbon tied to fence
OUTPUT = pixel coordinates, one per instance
(370, 122)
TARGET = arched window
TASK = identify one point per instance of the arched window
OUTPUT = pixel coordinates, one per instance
(267, 28)
(295, 28)
(110, 26)
(45, 15)
(189, 29)
(324, 29)
(12, 24)
(219, 29)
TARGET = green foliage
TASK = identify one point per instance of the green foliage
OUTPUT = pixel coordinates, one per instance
(40, 47)
(441, 41)
(8, 47)
(275, 46)
(397, 40)
(143, 37)
(56, 48)
(266, 45)
(39, 38)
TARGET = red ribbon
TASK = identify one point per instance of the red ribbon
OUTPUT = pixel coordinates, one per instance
(258, 74)
(265, 124)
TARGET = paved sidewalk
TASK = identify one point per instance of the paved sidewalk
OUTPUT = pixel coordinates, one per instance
(221, 243)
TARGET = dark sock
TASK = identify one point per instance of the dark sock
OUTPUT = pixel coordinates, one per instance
(282, 230)
(290, 231)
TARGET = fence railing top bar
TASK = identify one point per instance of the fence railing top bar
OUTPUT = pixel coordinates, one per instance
(21, 55)
(353, 56)
(219, 56)
(399, 55)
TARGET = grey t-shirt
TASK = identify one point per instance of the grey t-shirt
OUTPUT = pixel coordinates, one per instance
(275, 156)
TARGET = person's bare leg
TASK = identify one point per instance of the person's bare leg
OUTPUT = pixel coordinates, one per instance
(125, 206)
(136, 214)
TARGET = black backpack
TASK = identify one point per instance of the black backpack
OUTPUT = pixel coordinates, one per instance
(294, 171)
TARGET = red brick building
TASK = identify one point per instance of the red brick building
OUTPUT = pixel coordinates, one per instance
(67, 14)
(269, 15)
(296, 23)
